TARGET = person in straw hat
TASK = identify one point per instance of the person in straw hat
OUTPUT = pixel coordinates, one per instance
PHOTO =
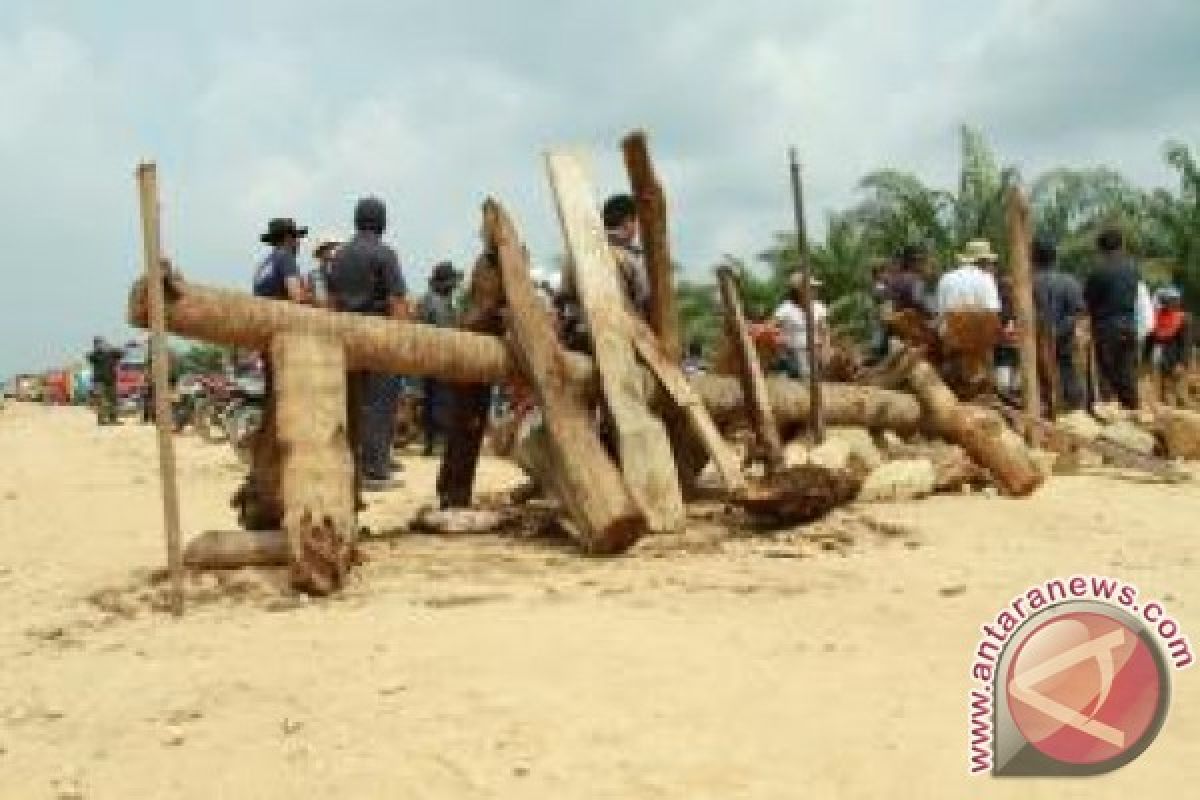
(971, 285)
(278, 276)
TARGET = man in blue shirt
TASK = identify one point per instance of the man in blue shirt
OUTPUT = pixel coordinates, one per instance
(278, 276)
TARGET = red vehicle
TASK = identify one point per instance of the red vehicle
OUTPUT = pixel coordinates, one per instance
(56, 387)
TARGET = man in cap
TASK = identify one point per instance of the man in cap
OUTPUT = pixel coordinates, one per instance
(366, 279)
(103, 360)
(318, 279)
(790, 319)
(278, 276)
(437, 309)
(1171, 342)
(1111, 293)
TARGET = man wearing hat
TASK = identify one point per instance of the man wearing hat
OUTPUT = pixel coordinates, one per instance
(318, 279)
(793, 325)
(971, 285)
(278, 276)
(437, 309)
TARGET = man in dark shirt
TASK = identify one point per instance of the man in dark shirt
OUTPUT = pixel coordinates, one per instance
(437, 309)
(277, 276)
(366, 279)
(1058, 298)
(1111, 293)
(104, 359)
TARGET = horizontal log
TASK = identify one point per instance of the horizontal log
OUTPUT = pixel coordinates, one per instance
(237, 319)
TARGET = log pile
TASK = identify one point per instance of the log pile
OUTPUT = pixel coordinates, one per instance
(619, 435)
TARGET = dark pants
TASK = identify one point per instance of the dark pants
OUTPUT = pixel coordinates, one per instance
(373, 400)
(1116, 359)
(106, 402)
(433, 413)
(1068, 373)
(468, 417)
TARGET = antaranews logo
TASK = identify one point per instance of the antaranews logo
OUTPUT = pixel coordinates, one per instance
(1072, 678)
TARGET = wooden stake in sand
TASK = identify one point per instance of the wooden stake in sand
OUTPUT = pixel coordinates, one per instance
(147, 178)
(817, 423)
(754, 383)
(1020, 241)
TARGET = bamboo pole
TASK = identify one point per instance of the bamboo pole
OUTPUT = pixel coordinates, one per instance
(1021, 262)
(147, 178)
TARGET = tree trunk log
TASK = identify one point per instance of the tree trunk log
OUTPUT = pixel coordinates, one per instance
(580, 472)
(1020, 261)
(237, 319)
(318, 469)
(237, 549)
(642, 444)
(978, 431)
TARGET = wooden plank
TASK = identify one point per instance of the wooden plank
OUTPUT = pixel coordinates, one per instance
(754, 383)
(642, 444)
(1020, 241)
(816, 427)
(319, 508)
(147, 178)
(675, 384)
(605, 517)
(652, 221)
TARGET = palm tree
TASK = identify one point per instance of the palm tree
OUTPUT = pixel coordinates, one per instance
(1174, 229)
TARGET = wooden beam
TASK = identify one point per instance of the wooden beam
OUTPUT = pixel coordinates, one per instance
(754, 384)
(317, 467)
(656, 243)
(1020, 241)
(605, 518)
(642, 444)
(237, 319)
(147, 178)
(237, 549)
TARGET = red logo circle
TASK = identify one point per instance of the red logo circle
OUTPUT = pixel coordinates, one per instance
(1084, 688)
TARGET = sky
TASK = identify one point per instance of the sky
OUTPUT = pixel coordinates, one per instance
(261, 108)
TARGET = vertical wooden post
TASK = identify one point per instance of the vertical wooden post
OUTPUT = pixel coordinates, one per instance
(652, 219)
(147, 178)
(1021, 263)
(816, 426)
(317, 467)
(754, 383)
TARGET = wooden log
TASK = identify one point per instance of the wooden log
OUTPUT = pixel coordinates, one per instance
(237, 549)
(320, 516)
(689, 405)
(977, 430)
(754, 384)
(147, 178)
(643, 447)
(237, 319)
(652, 221)
(1020, 241)
(606, 518)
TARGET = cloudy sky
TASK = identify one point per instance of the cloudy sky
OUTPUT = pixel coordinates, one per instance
(258, 108)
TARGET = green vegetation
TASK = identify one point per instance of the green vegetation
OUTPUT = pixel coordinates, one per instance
(1070, 204)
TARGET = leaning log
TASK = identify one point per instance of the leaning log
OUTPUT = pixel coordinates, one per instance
(224, 316)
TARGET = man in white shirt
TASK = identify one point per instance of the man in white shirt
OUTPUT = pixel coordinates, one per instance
(969, 286)
(790, 319)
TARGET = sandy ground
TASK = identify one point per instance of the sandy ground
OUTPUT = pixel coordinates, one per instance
(824, 663)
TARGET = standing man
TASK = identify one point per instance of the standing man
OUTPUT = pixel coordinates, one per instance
(792, 325)
(366, 279)
(970, 286)
(104, 359)
(278, 276)
(318, 280)
(437, 309)
(1058, 300)
(1111, 294)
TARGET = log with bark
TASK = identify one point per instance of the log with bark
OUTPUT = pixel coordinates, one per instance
(1020, 241)
(643, 449)
(576, 466)
(237, 549)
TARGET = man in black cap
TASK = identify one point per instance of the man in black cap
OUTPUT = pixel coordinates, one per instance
(1058, 299)
(437, 309)
(366, 279)
(278, 276)
(1111, 292)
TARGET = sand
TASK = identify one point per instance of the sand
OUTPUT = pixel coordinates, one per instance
(832, 662)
